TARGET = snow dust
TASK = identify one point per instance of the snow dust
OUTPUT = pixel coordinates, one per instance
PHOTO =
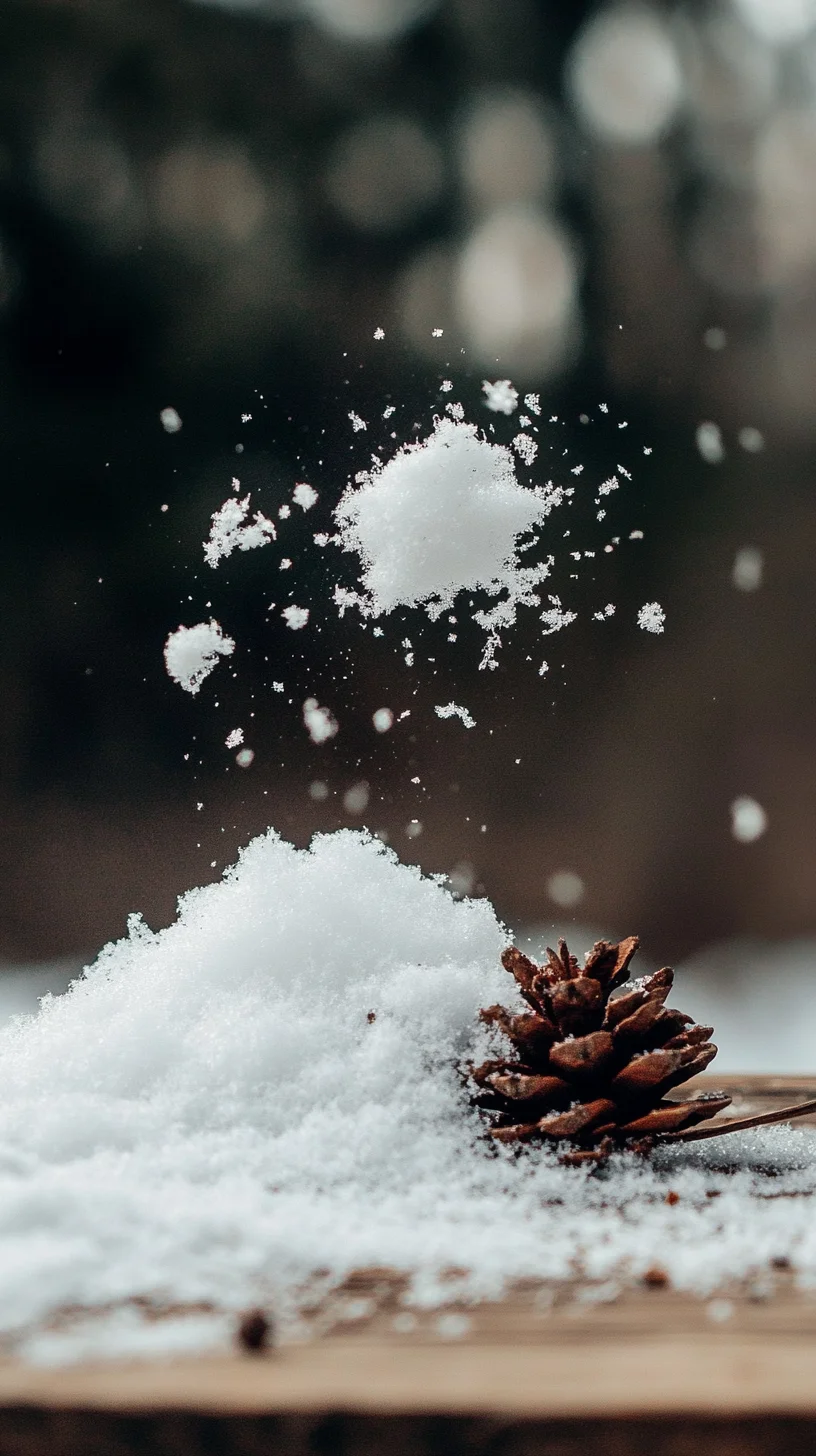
(211, 1114)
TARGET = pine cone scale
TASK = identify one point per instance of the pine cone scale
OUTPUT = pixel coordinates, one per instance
(591, 1068)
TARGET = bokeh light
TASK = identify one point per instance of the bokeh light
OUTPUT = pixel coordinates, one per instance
(383, 173)
(507, 150)
(625, 76)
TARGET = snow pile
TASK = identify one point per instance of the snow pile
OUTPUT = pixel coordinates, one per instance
(191, 653)
(445, 516)
(269, 1087)
(230, 531)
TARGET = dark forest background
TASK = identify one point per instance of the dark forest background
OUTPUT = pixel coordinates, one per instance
(212, 207)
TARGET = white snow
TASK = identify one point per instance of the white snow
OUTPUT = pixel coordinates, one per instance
(440, 517)
(209, 1116)
(234, 738)
(171, 420)
(382, 719)
(296, 617)
(533, 403)
(500, 397)
(356, 422)
(710, 443)
(191, 653)
(304, 495)
(454, 710)
(319, 722)
(230, 531)
(525, 446)
(651, 617)
(748, 819)
(746, 573)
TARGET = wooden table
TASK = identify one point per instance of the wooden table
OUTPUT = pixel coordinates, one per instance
(652, 1371)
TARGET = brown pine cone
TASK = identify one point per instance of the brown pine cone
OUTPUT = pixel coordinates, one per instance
(592, 1069)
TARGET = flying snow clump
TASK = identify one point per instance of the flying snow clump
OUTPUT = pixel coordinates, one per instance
(171, 420)
(296, 617)
(304, 495)
(454, 710)
(319, 722)
(234, 739)
(651, 617)
(444, 516)
(191, 653)
(500, 397)
(230, 531)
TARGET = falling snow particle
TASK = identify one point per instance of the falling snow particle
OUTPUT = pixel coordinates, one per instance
(379, 333)
(319, 722)
(245, 758)
(748, 819)
(746, 573)
(191, 653)
(437, 333)
(235, 738)
(355, 799)
(555, 618)
(171, 420)
(651, 617)
(356, 422)
(526, 447)
(304, 495)
(454, 710)
(414, 829)
(389, 411)
(710, 443)
(277, 687)
(500, 397)
(751, 439)
(296, 617)
(230, 531)
(383, 719)
(318, 790)
(533, 403)
(565, 888)
(446, 386)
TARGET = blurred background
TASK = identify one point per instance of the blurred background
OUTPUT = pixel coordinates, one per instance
(209, 208)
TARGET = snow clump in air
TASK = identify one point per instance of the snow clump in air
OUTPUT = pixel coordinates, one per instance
(748, 819)
(318, 721)
(651, 617)
(296, 617)
(304, 495)
(230, 531)
(500, 397)
(454, 710)
(191, 653)
(443, 516)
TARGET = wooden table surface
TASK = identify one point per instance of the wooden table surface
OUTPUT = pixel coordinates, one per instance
(551, 1371)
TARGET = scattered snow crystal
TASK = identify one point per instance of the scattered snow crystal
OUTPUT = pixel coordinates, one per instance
(443, 516)
(356, 422)
(651, 617)
(748, 819)
(304, 495)
(319, 721)
(230, 531)
(453, 710)
(191, 653)
(235, 738)
(296, 617)
(501, 397)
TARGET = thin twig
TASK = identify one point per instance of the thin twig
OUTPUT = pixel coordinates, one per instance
(739, 1124)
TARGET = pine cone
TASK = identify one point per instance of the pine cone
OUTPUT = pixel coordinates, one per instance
(592, 1069)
